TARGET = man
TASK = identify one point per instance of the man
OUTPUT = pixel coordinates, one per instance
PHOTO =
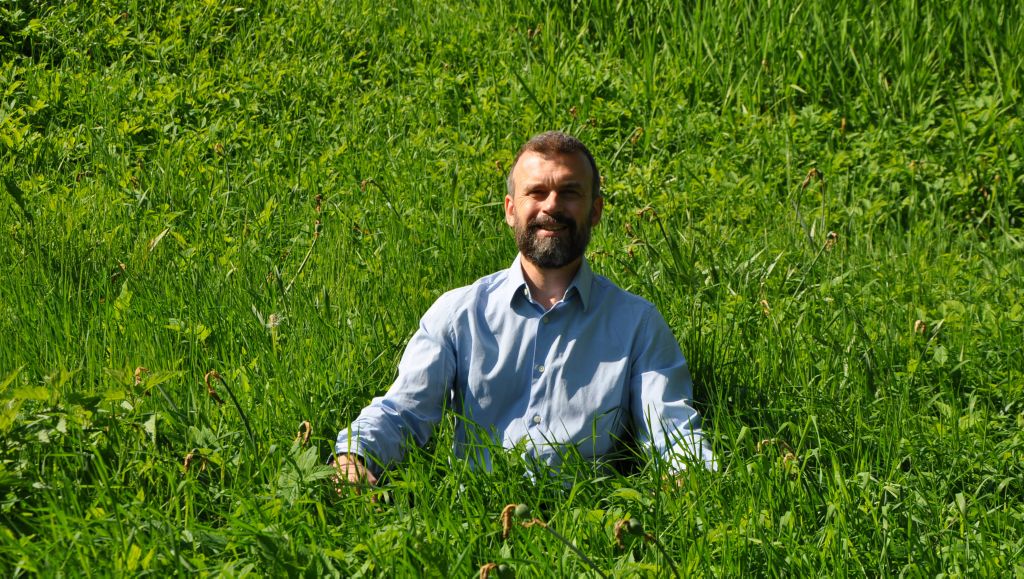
(545, 356)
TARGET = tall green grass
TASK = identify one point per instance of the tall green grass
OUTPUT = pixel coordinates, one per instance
(165, 165)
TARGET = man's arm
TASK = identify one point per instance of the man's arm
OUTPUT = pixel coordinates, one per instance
(661, 393)
(413, 404)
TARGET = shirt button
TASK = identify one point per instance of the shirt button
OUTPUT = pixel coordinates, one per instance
(545, 319)
(540, 368)
(536, 418)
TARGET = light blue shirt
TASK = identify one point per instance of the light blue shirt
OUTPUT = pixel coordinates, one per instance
(600, 367)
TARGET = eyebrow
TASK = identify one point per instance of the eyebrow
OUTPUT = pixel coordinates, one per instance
(566, 185)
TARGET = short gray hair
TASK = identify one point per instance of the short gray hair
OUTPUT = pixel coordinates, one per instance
(555, 143)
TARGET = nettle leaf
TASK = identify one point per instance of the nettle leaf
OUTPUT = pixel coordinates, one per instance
(18, 195)
(9, 414)
(32, 393)
(203, 437)
(150, 427)
(10, 378)
(302, 467)
(124, 300)
(198, 330)
(268, 211)
(630, 494)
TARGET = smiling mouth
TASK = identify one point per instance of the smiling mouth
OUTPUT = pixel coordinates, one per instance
(551, 229)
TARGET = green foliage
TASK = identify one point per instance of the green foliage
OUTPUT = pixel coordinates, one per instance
(825, 202)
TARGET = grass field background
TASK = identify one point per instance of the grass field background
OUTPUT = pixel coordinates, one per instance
(825, 203)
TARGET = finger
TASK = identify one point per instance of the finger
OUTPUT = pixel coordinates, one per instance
(370, 477)
(353, 477)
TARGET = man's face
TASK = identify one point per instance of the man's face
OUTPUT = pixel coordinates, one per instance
(552, 208)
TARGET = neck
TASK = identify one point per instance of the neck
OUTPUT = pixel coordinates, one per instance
(547, 286)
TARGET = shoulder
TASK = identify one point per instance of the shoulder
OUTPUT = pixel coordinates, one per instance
(454, 302)
(636, 317)
(607, 293)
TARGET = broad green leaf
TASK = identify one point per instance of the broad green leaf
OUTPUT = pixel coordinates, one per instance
(10, 378)
(150, 427)
(9, 414)
(629, 494)
(32, 393)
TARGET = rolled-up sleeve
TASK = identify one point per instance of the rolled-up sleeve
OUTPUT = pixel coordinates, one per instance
(661, 392)
(414, 403)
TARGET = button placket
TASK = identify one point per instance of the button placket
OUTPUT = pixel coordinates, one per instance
(541, 376)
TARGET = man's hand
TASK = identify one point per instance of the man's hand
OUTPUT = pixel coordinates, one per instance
(350, 470)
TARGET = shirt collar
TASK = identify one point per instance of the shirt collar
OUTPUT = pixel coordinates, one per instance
(515, 283)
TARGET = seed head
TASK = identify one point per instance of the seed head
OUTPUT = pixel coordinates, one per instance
(814, 172)
(209, 387)
(501, 571)
(628, 527)
(619, 526)
(506, 520)
(830, 240)
(192, 457)
(305, 429)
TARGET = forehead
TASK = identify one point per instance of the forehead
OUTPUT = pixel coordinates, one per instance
(534, 168)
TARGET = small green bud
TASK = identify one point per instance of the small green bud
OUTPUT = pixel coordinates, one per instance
(522, 511)
(505, 572)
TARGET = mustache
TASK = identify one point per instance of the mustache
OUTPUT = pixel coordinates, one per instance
(547, 221)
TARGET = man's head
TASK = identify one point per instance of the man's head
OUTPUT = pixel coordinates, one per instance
(553, 200)
(555, 143)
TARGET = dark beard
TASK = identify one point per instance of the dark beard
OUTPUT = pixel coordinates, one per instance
(552, 252)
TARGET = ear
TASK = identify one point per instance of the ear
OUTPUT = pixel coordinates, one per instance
(596, 210)
(510, 211)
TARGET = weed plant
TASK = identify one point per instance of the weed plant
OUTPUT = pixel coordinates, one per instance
(825, 201)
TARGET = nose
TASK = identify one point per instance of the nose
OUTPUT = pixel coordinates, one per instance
(551, 202)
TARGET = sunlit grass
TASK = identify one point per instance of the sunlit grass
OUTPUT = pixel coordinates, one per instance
(825, 204)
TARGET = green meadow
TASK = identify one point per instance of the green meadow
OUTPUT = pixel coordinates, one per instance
(824, 199)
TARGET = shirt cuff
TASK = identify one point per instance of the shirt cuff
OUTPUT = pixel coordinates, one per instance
(692, 450)
(346, 445)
